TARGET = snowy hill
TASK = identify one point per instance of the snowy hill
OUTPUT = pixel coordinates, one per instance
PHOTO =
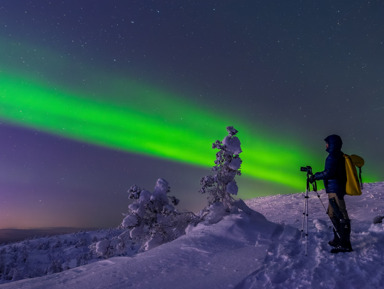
(261, 250)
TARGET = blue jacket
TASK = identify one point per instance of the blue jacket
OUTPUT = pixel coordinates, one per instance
(334, 174)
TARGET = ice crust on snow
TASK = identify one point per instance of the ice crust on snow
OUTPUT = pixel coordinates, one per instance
(262, 249)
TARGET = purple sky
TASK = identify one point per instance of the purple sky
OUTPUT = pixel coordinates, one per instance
(306, 68)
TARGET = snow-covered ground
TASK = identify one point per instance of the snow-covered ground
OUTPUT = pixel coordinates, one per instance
(261, 250)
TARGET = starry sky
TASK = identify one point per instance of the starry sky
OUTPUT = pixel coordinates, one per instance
(96, 96)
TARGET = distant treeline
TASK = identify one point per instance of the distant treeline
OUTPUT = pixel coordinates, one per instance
(16, 235)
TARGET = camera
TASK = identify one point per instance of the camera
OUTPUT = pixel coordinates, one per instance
(307, 169)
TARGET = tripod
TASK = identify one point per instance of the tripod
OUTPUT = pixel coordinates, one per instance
(304, 227)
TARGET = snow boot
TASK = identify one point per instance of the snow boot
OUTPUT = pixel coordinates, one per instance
(345, 241)
(336, 240)
(336, 229)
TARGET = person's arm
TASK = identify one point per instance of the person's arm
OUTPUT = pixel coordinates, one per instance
(329, 170)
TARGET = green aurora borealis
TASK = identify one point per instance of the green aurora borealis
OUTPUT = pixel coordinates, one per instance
(176, 130)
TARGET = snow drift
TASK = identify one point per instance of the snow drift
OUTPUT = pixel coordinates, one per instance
(263, 249)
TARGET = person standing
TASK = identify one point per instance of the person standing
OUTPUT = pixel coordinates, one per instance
(334, 177)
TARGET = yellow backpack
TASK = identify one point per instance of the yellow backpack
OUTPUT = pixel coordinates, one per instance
(354, 181)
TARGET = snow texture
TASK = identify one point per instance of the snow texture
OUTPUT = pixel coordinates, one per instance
(262, 249)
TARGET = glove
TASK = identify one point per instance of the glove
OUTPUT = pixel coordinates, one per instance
(312, 178)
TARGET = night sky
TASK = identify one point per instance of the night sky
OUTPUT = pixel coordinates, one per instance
(96, 96)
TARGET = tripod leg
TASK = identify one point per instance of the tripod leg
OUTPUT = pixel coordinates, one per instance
(304, 216)
(306, 234)
(304, 226)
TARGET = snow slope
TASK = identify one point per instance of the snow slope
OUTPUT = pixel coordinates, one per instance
(262, 250)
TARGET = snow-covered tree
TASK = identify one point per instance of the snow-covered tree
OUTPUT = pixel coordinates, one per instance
(151, 220)
(221, 186)
(151, 215)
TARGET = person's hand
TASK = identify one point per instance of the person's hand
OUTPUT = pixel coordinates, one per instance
(312, 179)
